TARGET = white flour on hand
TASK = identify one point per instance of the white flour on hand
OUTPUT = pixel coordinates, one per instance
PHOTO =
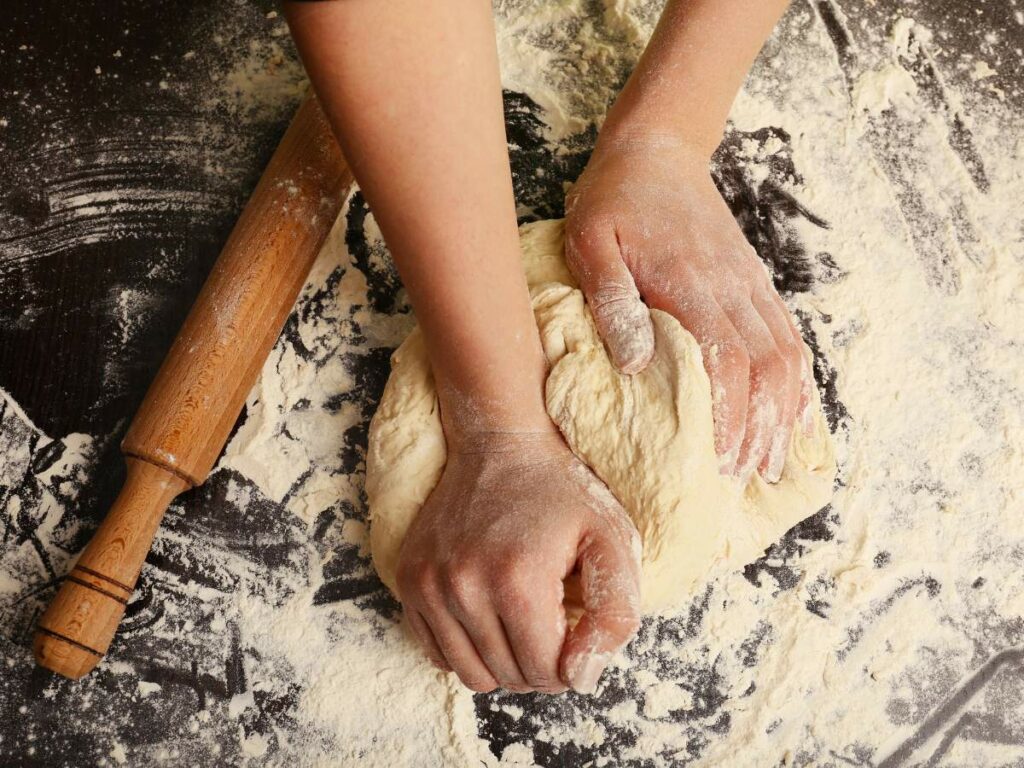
(832, 650)
(649, 437)
(890, 610)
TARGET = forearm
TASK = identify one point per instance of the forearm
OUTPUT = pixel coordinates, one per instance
(413, 93)
(696, 61)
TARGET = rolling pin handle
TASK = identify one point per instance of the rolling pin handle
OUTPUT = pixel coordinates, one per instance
(192, 404)
(76, 630)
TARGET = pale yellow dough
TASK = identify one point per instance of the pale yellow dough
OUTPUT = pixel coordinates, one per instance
(649, 437)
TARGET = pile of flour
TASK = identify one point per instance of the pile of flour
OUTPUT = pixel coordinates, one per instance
(836, 648)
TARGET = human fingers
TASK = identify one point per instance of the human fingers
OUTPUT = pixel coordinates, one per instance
(725, 360)
(807, 384)
(474, 611)
(534, 621)
(794, 393)
(420, 589)
(609, 579)
(422, 633)
(622, 319)
(767, 385)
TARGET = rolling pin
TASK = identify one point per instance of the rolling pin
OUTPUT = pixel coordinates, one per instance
(200, 389)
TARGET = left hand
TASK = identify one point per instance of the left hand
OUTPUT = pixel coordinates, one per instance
(482, 566)
(645, 223)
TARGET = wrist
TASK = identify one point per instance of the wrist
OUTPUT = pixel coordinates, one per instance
(643, 147)
(513, 445)
(632, 129)
(498, 405)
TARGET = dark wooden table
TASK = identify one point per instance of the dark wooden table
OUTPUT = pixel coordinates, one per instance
(126, 153)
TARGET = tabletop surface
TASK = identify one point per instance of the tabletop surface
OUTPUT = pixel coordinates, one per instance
(130, 136)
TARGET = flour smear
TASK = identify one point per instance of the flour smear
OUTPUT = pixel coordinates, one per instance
(837, 648)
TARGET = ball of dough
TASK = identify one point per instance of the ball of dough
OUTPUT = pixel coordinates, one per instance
(649, 437)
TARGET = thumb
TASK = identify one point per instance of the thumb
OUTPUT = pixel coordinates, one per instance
(622, 318)
(609, 580)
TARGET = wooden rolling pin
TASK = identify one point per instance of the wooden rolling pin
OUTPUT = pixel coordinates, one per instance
(199, 391)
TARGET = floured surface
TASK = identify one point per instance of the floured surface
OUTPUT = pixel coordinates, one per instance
(884, 631)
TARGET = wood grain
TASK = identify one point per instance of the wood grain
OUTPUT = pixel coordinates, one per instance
(196, 397)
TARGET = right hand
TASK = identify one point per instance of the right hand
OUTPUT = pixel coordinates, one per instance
(645, 220)
(481, 568)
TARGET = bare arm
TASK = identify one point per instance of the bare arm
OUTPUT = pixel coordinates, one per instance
(645, 220)
(697, 59)
(413, 92)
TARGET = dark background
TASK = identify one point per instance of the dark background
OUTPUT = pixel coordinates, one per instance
(69, 129)
(124, 162)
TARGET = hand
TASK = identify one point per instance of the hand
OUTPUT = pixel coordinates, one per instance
(646, 220)
(481, 568)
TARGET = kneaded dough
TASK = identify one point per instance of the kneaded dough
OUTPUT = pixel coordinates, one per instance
(649, 437)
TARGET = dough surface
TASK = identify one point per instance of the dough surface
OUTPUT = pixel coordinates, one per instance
(649, 437)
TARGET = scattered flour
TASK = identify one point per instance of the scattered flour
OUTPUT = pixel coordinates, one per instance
(932, 385)
(918, 583)
(933, 388)
(39, 479)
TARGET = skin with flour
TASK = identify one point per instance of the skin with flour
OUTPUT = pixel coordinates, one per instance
(418, 102)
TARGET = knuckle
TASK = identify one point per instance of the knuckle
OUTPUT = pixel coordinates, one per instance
(732, 360)
(610, 296)
(792, 353)
(770, 365)
(478, 684)
(582, 237)
(794, 373)
(459, 583)
(573, 257)
(576, 261)
(794, 357)
(578, 240)
(624, 321)
(514, 587)
(415, 578)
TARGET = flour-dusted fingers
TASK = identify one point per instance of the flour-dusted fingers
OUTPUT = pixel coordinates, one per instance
(804, 405)
(621, 317)
(727, 364)
(420, 589)
(768, 375)
(535, 626)
(481, 622)
(776, 317)
(483, 564)
(460, 651)
(804, 411)
(806, 360)
(610, 582)
(422, 633)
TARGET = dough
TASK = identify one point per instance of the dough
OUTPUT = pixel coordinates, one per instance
(649, 437)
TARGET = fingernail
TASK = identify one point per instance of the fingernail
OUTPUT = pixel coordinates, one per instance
(630, 337)
(588, 673)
